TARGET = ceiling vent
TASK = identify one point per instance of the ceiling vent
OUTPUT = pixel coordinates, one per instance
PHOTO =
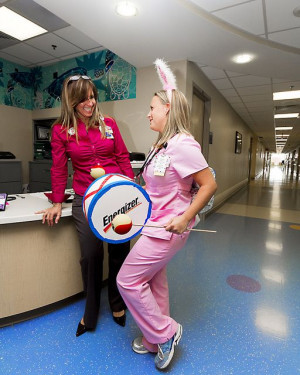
(292, 107)
(5, 36)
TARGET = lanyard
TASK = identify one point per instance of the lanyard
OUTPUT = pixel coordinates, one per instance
(149, 158)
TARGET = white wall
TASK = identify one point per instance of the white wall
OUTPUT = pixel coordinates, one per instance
(131, 115)
(16, 135)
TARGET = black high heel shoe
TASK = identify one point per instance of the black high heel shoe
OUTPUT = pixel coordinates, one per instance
(121, 320)
(81, 329)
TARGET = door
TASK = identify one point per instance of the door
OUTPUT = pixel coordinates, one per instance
(197, 118)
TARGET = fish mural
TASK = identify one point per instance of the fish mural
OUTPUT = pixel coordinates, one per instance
(20, 85)
(1, 74)
(109, 60)
(119, 78)
(35, 88)
(32, 79)
(54, 89)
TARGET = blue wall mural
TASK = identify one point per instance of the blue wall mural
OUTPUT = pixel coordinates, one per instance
(40, 87)
(16, 85)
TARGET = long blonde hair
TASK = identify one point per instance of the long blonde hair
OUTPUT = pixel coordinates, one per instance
(73, 93)
(178, 117)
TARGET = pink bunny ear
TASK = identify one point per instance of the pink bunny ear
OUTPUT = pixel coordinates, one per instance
(166, 77)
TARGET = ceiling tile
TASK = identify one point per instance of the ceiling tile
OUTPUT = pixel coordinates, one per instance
(27, 53)
(222, 83)
(262, 113)
(286, 86)
(211, 5)
(76, 37)
(45, 42)
(280, 15)
(259, 104)
(233, 74)
(289, 37)
(266, 98)
(264, 89)
(199, 64)
(234, 100)
(213, 73)
(238, 105)
(228, 93)
(279, 80)
(13, 59)
(245, 81)
(239, 16)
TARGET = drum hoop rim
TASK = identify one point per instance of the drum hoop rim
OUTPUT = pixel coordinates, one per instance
(101, 192)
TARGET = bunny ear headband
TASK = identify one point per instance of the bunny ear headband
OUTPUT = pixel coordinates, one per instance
(166, 77)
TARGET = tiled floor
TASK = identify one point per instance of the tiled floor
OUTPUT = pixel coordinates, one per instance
(236, 293)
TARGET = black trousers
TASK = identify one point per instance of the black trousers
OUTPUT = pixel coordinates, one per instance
(91, 262)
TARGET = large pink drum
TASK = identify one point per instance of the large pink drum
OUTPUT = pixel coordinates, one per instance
(111, 195)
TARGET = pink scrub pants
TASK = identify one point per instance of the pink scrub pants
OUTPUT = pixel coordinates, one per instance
(143, 284)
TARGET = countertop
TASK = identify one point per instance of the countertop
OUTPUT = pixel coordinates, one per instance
(23, 208)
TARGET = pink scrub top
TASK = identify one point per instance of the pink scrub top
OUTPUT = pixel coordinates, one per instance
(170, 194)
(90, 150)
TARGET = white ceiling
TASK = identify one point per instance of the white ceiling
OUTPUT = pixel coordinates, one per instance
(207, 32)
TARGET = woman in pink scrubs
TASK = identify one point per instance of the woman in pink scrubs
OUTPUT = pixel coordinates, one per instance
(174, 162)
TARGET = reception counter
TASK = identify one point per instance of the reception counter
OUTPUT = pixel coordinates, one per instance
(39, 264)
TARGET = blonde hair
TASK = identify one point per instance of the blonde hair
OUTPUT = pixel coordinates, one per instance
(73, 93)
(178, 117)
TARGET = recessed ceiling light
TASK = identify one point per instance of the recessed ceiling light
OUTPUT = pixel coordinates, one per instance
(17, 26)
(287, 115)
(286, 95)
(296, 12)
(243, 58)
(126, 9)
(283, 128)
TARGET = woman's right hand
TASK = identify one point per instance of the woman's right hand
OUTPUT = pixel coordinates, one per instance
(52, 214)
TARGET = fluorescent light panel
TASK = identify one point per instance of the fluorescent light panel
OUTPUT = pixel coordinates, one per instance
(287, 115)
(283, 128)
(293, 94)
(17, 26)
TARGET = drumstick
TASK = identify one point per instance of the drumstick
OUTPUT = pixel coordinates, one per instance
(188, 229)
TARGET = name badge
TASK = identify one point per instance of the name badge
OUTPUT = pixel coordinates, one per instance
(161, 163)
(109, 132)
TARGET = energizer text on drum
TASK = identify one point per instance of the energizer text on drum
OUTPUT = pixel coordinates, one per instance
(127, 207)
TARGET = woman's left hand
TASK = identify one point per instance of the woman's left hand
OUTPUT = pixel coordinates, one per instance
(177, 225)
